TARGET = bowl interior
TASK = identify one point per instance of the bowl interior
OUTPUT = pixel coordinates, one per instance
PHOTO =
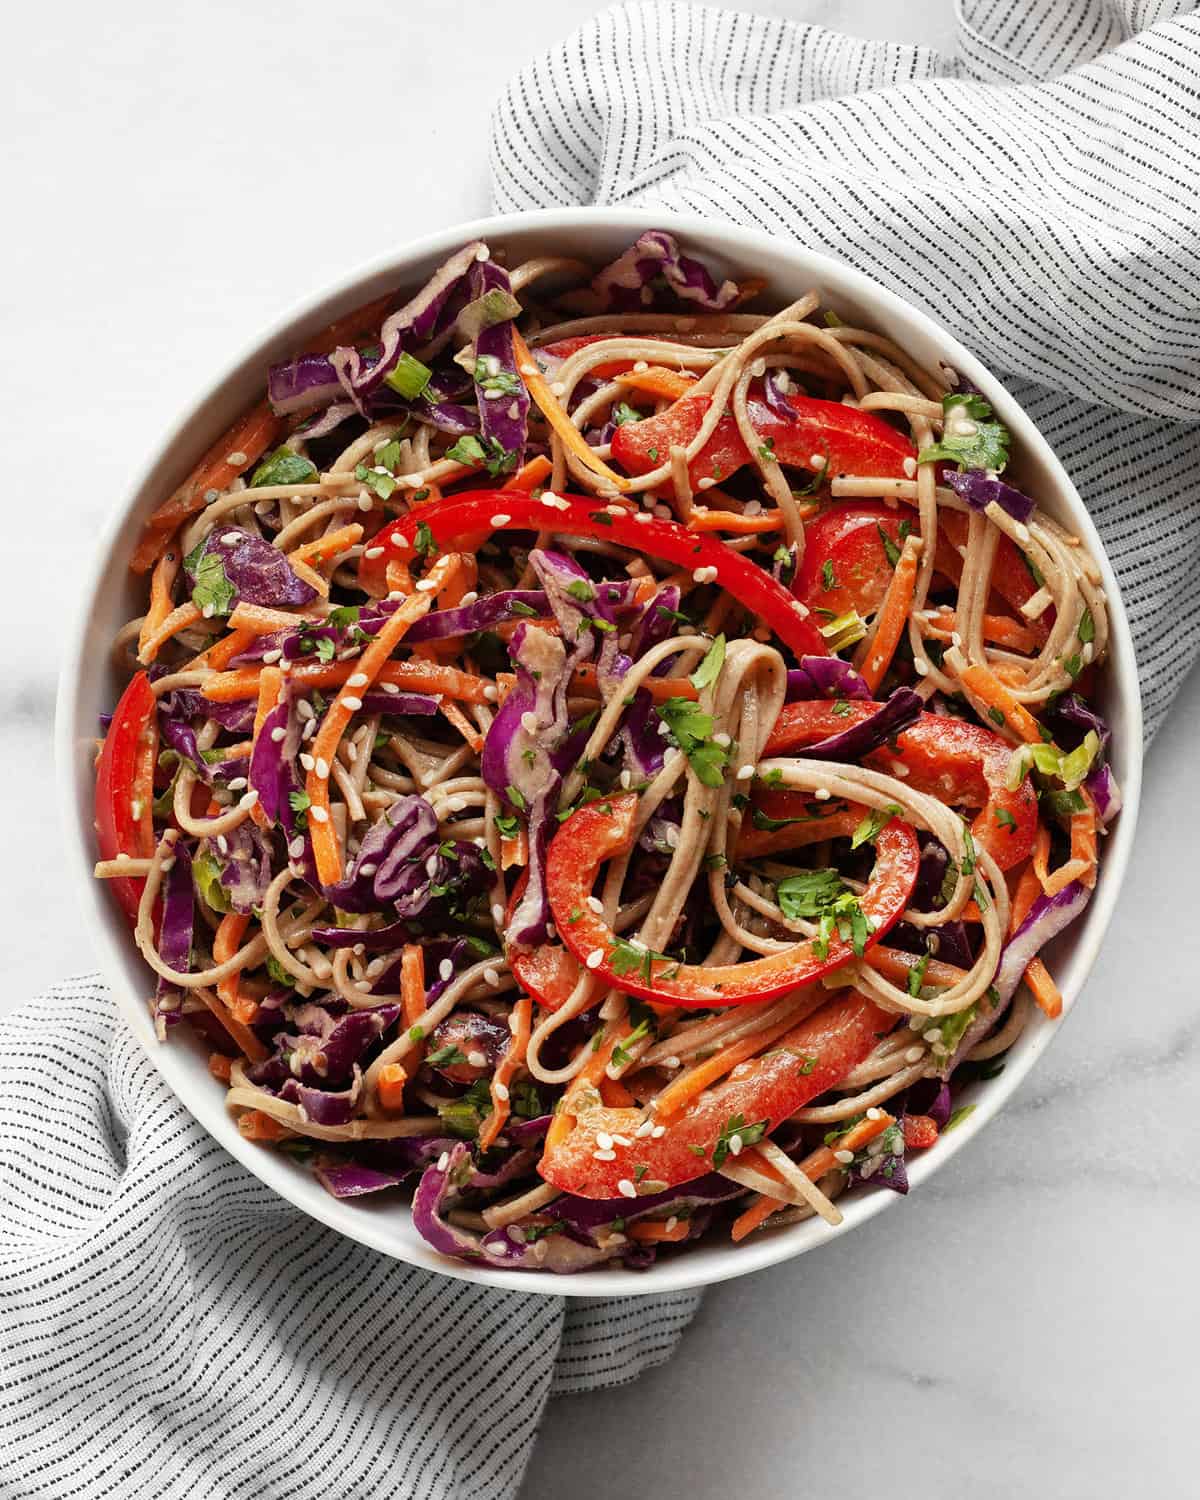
(89, 686)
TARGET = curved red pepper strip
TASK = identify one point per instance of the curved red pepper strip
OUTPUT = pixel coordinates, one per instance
(959, 762)
(815, 1055)
(125, 786)
(548, 972)
(476, 514)
(602, 830)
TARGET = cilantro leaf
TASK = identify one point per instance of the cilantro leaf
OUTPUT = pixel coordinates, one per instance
(971, 437)
(736, 1128)
(710, 668)
(284, 467)
(873, 825)
(691, 731)
(212, 592)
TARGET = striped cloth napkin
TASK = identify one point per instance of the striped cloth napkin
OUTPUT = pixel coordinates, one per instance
(168, 1327)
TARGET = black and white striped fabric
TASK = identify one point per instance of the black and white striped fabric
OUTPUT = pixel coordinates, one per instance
(1038, 195)
(169, 1328)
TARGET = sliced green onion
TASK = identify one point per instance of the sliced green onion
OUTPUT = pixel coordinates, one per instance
(408, 377)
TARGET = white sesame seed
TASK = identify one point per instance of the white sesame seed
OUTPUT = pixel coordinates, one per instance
(626, 1188)
(231, 538)
(305, 709)
(359, 679)
(604, 1139)
(644, 1129)
(236, 459)
(168, 864)
(822, 794)
(735, 1145)
(671, 1223)
(445, 969)
(626, 779)
(604, 1154)
(595, 958)
(843, 1156)
(914, 1054)
(910, 467)
(746, 773)
(207, 612)
(468, 598)
(642, 515)
(443, 1161)
(391, 687)
(921, 665)
(295, 850)
(477, 1059)
(934, 1034)
(595, 904)
(501, 1091)
(672, 1062)
(658, 1132)
(426, 585)
(351, 703)
(622, 1140)
(318, 815)
(491, 692)
(874, 1114)
(497, 913)
(529, 722)
(501, 519)
(222, 843)
(249, 799)
(306, 760)
(431, 865)
(490, 976)
(322, 768)
(816, 461)
(238, 784)
(705, 484)
(374, 552)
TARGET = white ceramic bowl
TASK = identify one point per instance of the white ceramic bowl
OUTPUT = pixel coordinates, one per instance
(88, 686)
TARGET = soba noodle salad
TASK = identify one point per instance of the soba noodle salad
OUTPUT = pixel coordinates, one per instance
(601, 758)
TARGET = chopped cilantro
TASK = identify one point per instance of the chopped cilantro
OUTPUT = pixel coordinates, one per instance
(710, 668)
(748, 1135)
(971, 437)
(873, 825)
(284, 467)
(691, 731)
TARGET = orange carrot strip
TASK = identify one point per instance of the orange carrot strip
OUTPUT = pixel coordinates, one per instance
(322, 548)
(1029, 888)
(412, 676)
(588, 1077)
(254, 1125)
(896, 965)
(245, 1010)
(1041, 855)
(270, 685)
(682, 1090)
(515, 850)
(244, 1038)
(659, 1231)
(399, 579)
(232, 454)
(454, 715)
(309, 575)
(814, 1166)
(327, 855)
(219, 1065)
(1083, 840)
(583, 680)
(259, 620)
(530, 475)
(412, 983)
(181, 618)
(225, 944)
(392, 1079)
(521, 1021)
(658, 381)
(987, 692)
(166, 569)
(737, 524)
(1000, 630)
(893, 615)
(554, 412)
(1045, 991)
(221, 653)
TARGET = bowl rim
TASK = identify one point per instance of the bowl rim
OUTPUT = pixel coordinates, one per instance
(177, 1065)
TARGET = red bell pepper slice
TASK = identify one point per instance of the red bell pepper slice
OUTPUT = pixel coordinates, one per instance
(564, 348)
(125, 786)
(1011, 578)
(548, 972)
(959, 762)
(601, 830)
(845, 564)
(818, 433)
(813, 1056)
(465, 519)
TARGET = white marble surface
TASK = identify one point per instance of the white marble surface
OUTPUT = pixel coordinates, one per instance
(176, 176)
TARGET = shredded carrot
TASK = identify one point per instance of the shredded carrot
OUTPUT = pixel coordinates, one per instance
(521, 1022)
(588, 1077)
(614, 1094)
(583, 680)
(893, 615)
(259, 620)
(411, 676)
(221, 653)
(1045, 991)
(399, 578)
(1083, 840)
(412, 984)
(1028, 889)
(324, 747)
(232, 454)
(657, 380)
(455, 716)
(514, 850)
(1000, 630)
(505, 682)
(747, 291)
(392, 1080)
(225, 944)
(555, 413)
(182, 617)
(659, 1231)
(254, 1125)
(530, 475)
(240, 1034)
(309, 575)
(896, 965)
(166, 569)
(245, 1010)
(733, 521)
(753, 842)
(683, 1089)
(219, 1065)
(1041, 855)
(270, 685)
(814, 1166)
(322, 548)
(988, 693)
